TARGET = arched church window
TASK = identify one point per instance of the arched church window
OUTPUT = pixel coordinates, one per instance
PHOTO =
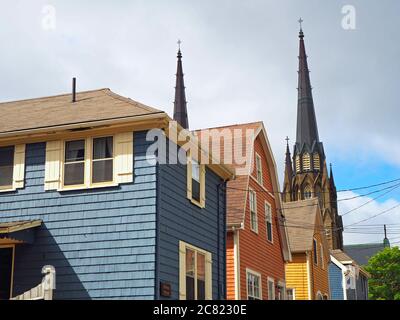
(306, 162)
(307, 192)
(298, 168)
(317, 162)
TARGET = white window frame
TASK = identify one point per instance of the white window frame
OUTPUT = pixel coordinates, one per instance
(259, 169)
(253, 228)
(256, 274)
(88, 165)
(202, 176)
(269, 281)
(18, 174)
(293, 293)
(182, 270)
(267, 204)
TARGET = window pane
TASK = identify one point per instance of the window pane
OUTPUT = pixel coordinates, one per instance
(74, 173)
(190, 257)
(102, 171)
(195, 190)
(269, 231)
(103, 148)
(195, 171)
(75, 151)
(201, 277)
(6, 166)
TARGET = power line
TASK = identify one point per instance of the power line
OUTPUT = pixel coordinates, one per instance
(374, 216)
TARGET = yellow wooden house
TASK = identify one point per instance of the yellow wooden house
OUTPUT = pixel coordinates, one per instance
(307, 275)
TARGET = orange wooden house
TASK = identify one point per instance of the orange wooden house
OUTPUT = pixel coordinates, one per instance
(307, 275)
(257, 242)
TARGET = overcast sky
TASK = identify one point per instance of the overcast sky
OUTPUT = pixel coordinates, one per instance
(240, 64)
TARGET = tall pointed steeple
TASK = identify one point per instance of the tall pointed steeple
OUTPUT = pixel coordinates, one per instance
(307, 130)
(288, 161)
(180, 104)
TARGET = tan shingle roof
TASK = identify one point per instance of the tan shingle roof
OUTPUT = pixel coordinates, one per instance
(236, 197)
(301, 217)
(54, 111)
(341, 256)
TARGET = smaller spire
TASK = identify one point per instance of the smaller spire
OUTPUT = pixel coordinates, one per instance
(180, 103)
(288, 165)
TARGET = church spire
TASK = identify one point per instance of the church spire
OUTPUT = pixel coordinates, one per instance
(288, 161)
(307, 130)
(331, 179)
(180, 104)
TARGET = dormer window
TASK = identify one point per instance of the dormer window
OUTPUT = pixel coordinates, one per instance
(74, 164)
(259, 169)
(6, 167)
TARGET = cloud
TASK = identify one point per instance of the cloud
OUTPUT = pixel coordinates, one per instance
(368, 211)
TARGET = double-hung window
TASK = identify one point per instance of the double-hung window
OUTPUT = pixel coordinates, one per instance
(102, 160)
(195, 273)
(80, 158)
(253, 285)
(6, 167)
(268, 221)
(74, 162)
(253, 211)
(259, 169)
(196, 182)
(271, 289)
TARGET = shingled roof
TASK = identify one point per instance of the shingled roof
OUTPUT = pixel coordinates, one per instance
(301, 218)
(236, 197)
(91, 106)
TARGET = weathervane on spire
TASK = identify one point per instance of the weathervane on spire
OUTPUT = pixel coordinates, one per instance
(179, 44)
(287, 140)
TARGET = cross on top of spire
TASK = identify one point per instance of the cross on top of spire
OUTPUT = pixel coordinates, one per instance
(300, 21)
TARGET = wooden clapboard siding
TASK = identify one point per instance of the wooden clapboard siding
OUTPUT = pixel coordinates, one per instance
(102, 242)
(296, 276)
(256, 252)
(179, 219)
(230, 267)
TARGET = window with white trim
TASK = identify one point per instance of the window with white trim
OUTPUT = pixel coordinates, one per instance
(290, 294)
(271, 289)
(196, 182)
(253, 285)
(12, 167)
(89, 162)
(259, 172)
(253, 211)
(268, 221)
(6, 167)
(195, 273)
(98, 160)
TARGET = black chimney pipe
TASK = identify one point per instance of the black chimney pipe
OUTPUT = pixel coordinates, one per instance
(73, 90)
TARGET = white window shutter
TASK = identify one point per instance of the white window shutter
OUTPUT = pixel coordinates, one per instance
(209, 295)
(53, 165)
(124, 157)
(182, 271)
(19, 167)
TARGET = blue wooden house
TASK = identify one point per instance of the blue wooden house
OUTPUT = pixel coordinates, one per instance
(347, 280)
(80, 191)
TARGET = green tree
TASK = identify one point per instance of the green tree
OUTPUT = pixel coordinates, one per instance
(384, 268)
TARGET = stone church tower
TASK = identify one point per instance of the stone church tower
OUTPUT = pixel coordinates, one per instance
(306, 174)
